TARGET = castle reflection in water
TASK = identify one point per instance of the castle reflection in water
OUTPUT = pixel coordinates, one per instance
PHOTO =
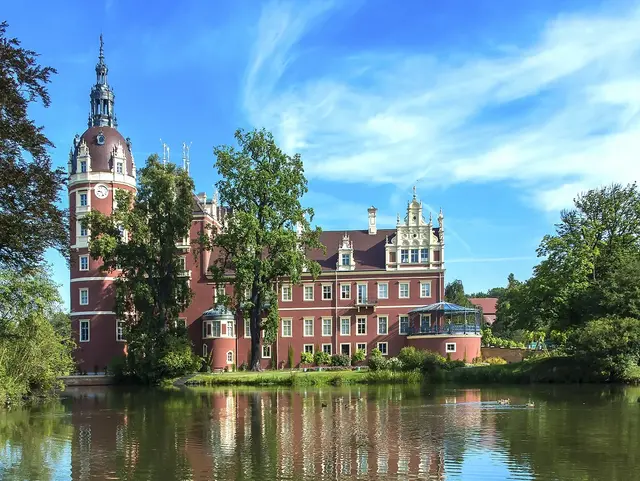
(273, 434)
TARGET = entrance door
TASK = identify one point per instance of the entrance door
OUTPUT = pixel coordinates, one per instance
(362, 293)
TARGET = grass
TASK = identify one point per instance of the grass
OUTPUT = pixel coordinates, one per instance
(314, 378)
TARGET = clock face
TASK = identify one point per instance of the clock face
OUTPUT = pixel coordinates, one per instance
(100, 138)
(101, 191)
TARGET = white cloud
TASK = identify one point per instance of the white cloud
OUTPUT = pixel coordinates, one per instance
(397, 117)
(332, 213)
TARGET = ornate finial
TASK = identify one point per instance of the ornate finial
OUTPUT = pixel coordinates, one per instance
(414, 192)
(397, 218)
(430, 218)
(440, 214)
(101, 56)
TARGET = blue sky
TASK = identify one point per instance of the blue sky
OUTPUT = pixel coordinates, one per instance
(500, 112)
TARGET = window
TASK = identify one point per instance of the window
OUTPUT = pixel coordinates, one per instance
(361, 326)
(383, 325)
(383, 290)
(266, 352)
(182, 263)
(345, 326)
(83, 199)
(211, 329)
(308, 348)
(308, 292)
(425, 322)
(247, 328)
(84, 297)
(308, 328)
(286, 328)
(345, 349)
(231, 329)
(345, 259)
(424, 255)
(414, 256)
(286, 293)
(119, 330)
(451, 347)
(326, 292)
(345, 291)
(425, 289)
(119, 168)
(326, 326)
(362, 293)
(83, 230)
(404, 256)
(218, 293)
(205, 350)
(404, 325)
(84, 263)
(404, 290)
(326, 348)
(85, 331)
(383, 347)
(229, 357)
(361, 346)
(83, 166)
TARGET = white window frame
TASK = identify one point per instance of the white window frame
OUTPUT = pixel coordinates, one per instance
(349, 324)
(446, 347)
(286, 288)
(345, 344)
(404, 259)
(230, 361)
(342, 291)
(304, 292)
(231, 329)
(182, 263)
(417, 256)
(87, 322)
(330, 346)
(424, 260)
(205, 350)
(358, 347)
(205, 329)
(120, 331)
(80, 291)
(247, 329)
(85, 164)
(359, 286)
(358, 319)
(305, 346)
(304, 326)
(386, 285)
(386, 344)
(342, 258)
(84, 193)
(290, 322)
(330, 326)
(325, 291)
(119, 167)
(81, 229)
(408, 284)
(80, 259)
(400, 333)
(386, 325)
(422, 284)
(218, 291)
(264, 346)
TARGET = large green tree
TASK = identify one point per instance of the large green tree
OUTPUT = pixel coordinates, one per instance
(30, 219)
(454, 293)
(267, 232)
(140, 238)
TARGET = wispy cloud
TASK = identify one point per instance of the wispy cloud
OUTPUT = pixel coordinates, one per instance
(365, 115)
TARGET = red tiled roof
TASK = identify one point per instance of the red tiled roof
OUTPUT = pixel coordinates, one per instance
(487, 304)
(490, 319)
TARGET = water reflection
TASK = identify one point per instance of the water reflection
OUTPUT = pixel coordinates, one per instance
(352, 433)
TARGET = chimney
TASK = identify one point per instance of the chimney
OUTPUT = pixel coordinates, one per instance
(372, 220)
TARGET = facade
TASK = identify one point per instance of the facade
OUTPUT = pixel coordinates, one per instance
(371, 279)
(489, 306)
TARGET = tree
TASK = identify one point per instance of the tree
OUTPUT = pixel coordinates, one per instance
(140, 239)
(266, 234)
(454, 293)
(496, 292)
(30, 220)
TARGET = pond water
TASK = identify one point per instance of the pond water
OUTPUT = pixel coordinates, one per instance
(382, 432)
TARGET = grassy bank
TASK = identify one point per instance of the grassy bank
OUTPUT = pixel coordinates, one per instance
(296, 378)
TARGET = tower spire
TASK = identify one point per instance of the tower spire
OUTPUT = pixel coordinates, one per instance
(102, 97)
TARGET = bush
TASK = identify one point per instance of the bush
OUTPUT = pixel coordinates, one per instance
(358, 356)
(377, 362)
(321, 358)
(118, 368)
(340, 360)
(495, 361)
(433, 362)
(411, 358)
(395, 364)
(306, 358)
(178, 360)
(456, 364)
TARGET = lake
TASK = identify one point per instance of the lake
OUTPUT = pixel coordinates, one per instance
(364, 432)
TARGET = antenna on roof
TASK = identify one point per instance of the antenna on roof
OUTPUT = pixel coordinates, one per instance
(165, 150)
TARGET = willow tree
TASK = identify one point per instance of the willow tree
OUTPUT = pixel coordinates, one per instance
(140, 240)
(266, 232)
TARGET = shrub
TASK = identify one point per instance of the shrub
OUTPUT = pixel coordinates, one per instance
(377, 362)
(118, 368)
(456, 364)
(291, 357)
(321, 358)
(358, 356)
(433, 362)
(495, 361)
(306, 358)
(340, 360)
(244, 366)
(177, 360)
(411, 358)
(394, 364)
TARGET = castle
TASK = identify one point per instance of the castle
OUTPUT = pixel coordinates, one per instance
(371, 282)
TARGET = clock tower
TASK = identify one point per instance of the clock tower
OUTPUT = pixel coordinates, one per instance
(100, 163)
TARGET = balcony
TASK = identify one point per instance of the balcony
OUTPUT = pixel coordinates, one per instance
(446, 330)
(365, 303)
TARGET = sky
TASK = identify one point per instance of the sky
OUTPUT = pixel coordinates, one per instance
(499, 113)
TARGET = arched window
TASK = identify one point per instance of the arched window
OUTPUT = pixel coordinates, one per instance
(204, 350)
(230, 357)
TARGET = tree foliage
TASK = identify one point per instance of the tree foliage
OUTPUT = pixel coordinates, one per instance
(140, 238)
(454, 293)
(259, 245)
(30, 219)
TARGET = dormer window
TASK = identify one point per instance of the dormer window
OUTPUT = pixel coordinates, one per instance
(424, 255)
(414, 256)
(83, 166)
(404, 256)
(119, 168)
(346, 259)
